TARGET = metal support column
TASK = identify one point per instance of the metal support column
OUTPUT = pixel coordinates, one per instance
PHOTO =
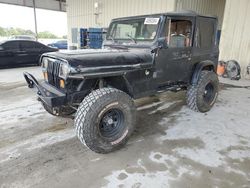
(34, 6)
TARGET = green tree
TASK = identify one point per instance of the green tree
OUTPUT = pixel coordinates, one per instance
(2, 32)
(19, 31)
(11, 31)
(29, 32)
(47, 35)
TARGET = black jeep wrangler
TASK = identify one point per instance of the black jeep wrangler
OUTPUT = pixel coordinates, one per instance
(142, 55)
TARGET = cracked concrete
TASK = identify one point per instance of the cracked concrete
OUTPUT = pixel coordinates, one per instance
(172, 146)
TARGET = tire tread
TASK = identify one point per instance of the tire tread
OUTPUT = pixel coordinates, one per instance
(86, 108)
(193, 90)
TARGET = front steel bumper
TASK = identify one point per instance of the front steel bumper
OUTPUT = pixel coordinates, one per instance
(46, 92)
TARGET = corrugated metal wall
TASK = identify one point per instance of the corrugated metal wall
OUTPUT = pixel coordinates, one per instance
(83, 14)
(204, 7)
(235, 39)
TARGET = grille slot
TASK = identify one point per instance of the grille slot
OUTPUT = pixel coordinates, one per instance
(53, 73)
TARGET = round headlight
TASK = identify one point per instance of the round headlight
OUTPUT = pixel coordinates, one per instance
(64, 70)
(45, 63)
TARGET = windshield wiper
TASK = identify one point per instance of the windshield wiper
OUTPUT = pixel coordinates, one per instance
(133, 39)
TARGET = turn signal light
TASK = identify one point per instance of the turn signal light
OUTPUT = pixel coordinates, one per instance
(62, 84)
(45, 75)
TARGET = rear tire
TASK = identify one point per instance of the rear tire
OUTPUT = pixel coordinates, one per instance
(202, 96)
(105, 119)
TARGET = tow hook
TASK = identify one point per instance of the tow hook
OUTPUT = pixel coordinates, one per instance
(55, 111)
(31, 84)
(147, 72)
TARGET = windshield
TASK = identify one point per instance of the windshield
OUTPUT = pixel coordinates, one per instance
(142, 29)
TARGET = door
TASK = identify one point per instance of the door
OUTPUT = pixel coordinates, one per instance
(173, 62)
(28, 53)
(9, 54)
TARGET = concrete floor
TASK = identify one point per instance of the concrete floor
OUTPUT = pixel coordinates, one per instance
(171, 147)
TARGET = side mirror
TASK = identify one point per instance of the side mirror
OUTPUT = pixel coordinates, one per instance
(1, 48)
(162, 43)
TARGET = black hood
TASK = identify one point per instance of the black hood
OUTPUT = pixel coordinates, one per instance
(104, 57)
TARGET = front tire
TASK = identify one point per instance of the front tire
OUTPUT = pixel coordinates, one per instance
(202, 96)
(105, 119)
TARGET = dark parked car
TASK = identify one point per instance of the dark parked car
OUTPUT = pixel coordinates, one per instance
(16, 53)
(143, 55)
(61, 44)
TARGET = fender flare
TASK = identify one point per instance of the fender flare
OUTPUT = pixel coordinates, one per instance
(123, 84)
(210, 65)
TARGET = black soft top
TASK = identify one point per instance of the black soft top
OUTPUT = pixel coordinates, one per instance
(175, 13)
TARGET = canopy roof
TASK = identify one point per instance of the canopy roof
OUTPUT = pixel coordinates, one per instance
(57, 5)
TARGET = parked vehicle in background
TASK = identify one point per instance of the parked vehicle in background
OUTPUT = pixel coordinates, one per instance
(143, 55)
(17, 53)
(61, 44)
(23, 37)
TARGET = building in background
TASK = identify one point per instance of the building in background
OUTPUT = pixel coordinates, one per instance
(232, 15)
(235, 38)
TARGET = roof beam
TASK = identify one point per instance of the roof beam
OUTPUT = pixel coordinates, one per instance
(56, 5)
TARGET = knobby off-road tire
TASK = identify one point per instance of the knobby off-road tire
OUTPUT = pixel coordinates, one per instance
(105, 119)
(61, 112)
(202, 96)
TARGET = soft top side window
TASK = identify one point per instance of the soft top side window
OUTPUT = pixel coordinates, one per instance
(178, 33)
(206, 33)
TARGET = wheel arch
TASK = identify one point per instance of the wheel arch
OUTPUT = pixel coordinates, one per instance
(84, 87)
(119, 82)
(204, 65)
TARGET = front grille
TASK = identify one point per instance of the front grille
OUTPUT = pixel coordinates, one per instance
(53, 73)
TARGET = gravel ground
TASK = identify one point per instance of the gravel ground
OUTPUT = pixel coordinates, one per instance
(171, 147)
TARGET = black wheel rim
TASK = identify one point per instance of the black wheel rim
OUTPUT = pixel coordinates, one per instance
(209, 93)
(112, 124)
